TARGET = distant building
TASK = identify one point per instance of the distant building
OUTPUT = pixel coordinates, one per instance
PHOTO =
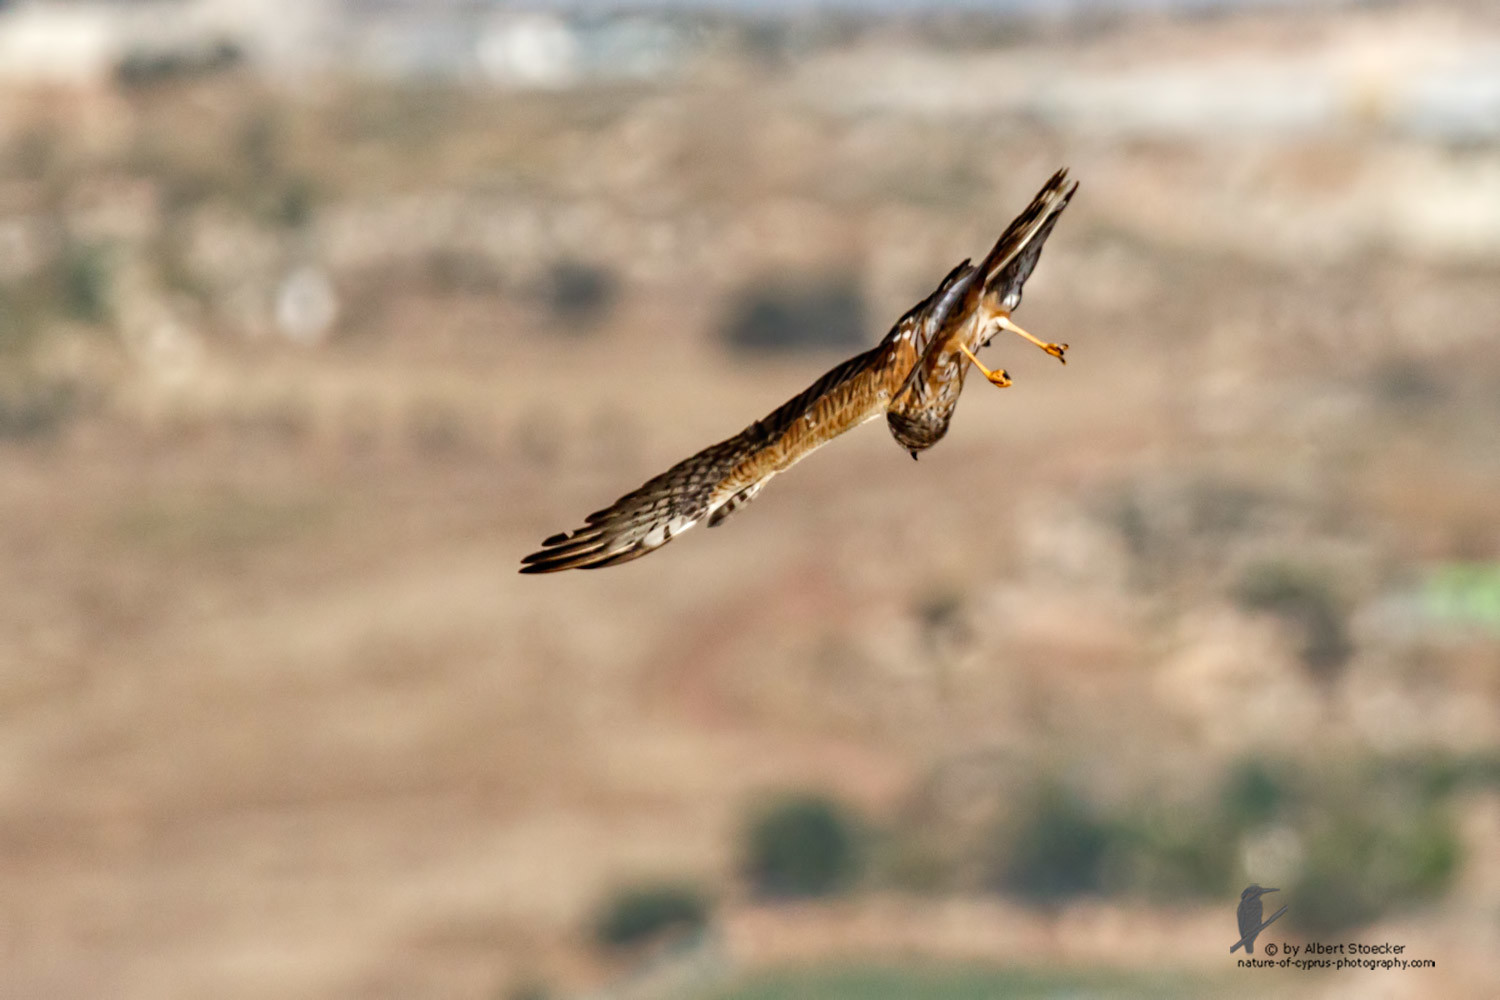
(525, 50)
(545, 50)
(85, 42)
(57, 43)
(530, 50)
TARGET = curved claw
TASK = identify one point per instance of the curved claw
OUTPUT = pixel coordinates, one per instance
(999, 377)
(1056, 350)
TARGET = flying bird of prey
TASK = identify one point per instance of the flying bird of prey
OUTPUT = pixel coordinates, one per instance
(913, 377)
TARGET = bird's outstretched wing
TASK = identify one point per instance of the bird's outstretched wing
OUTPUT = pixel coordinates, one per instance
(724, 477)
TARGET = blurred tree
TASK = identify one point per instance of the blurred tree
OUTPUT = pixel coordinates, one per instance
(1409, 386)
(1305, 600)
(579, 295)
(1362, 863)
(639, 915)
(1168, 852)
(1253, 794)
(771, 316)
(146, 68)
(84, 282)
(1058, 849)
(805, 845)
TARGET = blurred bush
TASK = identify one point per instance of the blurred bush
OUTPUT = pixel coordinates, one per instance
(579, 295)
(805, 845)
(1409, 386)
(1253, 795)
(1305, 600)
(1431, 778)
(1170, 853)
(84, 282)
(643, 914)
(1056, 848)
(1368, 840)
(1361, 864)
(146, 68)
(772, 316)
(292, 203)
(36, 409)
(77, 285)
(1374, 838)
(941, 618)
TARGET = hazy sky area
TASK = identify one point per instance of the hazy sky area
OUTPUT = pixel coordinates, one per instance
(1060, 6)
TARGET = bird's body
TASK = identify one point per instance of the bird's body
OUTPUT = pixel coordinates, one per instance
(913, 377)
(1249, 914)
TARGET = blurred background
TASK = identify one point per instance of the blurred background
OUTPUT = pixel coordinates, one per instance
(316, 316)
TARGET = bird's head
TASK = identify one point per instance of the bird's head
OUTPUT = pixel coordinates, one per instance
(1255, 892)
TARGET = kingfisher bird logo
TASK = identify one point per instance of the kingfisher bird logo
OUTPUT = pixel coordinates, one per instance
(1248, 915)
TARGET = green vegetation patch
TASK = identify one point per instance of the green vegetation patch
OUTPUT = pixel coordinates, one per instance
(964, 982)
(1463, 593)
(803, 845)
(640, 914)
(1370, 838)
(1361, 864)
(1057, 851)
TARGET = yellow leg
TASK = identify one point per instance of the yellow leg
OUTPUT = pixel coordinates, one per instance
(1056, 350)
(997, 377)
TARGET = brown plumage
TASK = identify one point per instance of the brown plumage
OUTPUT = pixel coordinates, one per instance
(913, 377)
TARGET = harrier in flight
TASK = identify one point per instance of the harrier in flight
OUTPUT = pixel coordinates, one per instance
(913, 377)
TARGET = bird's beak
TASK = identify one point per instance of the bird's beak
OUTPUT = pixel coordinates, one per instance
(1270, 890)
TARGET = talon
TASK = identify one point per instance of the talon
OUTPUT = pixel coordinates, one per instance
(999, 377)
(1056, 350)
